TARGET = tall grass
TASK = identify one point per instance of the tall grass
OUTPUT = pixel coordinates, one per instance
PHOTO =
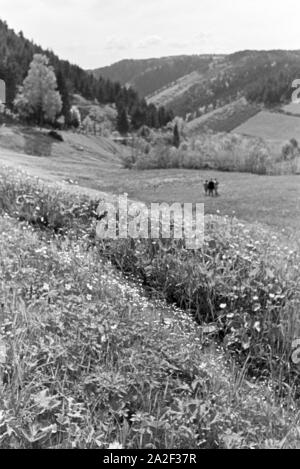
(87, 360)
(245, 279)
(242, 281)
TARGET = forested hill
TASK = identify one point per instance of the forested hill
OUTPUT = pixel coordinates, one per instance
(16, 54)
(149, 75)
(191, 84)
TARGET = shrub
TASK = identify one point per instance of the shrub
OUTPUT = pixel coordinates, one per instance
(56, 135)
(290, 150)
(224, 152)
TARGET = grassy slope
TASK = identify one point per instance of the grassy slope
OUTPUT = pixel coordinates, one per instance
(87, 360)
(271, 126)
(292, 108)
(36, 143)
(223, 119)
(79, 156)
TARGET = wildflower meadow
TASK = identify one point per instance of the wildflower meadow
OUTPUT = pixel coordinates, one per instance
(142, 343)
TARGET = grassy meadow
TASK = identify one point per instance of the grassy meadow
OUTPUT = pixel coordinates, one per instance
(89, 360)
(136, 344)
(94, 163)
(271, 126)
(270, 200)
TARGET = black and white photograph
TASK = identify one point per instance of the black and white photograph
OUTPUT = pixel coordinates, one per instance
(149, 227)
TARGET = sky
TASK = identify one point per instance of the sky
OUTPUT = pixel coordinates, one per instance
(95, 33)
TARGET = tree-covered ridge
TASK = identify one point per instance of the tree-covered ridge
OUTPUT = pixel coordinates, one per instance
(260, 76)
(16, 54)
(149, 75)
(274, 84)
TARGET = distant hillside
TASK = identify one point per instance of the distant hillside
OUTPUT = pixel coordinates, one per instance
(262, 77)
(149, 75)
(198, 84)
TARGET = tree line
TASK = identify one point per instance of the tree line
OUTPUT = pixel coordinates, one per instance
(16, 56)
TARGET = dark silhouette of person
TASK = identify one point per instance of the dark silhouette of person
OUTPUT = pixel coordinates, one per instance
(211, 188)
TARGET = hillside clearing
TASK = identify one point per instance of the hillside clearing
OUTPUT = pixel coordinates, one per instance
(271, 126)
(223, 119)
(292, 108)
(164, 96)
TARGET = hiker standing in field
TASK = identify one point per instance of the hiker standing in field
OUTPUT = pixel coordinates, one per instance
(205, 185)
(211, 188)
(216, 183)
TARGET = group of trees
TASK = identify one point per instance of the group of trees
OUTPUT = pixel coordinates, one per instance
(290, 150)
(273, 90)
(16, 58)
(38, 99)
(273, 83)
(142, 114)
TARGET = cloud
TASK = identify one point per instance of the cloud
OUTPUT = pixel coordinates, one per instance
(149, 41)
(116, 43)
(201, 38)
(178, 44)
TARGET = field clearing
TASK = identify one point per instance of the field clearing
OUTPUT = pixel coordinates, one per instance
(271, 126)
(164, 96)
(292, 108)
(271, 200)
(225, 118)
